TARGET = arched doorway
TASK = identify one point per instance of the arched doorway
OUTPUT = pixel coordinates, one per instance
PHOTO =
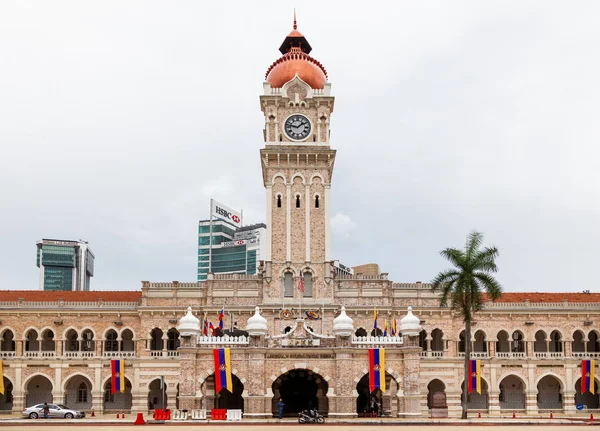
(78, 393)
(366, 400)
(300, 389)
(435, 386)
(476, 401)
(6, 399)
(119, 401)
(549, 396)
(39, 390)
(224, 399)
(591, 401)
(157, 397)
(512, 393)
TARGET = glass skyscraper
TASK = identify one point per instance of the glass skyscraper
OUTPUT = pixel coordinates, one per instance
(64, 265)
(234, 250)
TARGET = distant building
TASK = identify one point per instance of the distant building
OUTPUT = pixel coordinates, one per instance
(234, 250)
(65, 265)
(368, 269)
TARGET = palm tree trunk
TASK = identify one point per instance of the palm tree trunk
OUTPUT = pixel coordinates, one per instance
(467, 368)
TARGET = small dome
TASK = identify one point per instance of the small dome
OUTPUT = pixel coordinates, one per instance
(189, 324)
(296, 62)
(343, 325)
(257, 325)
(410, 324)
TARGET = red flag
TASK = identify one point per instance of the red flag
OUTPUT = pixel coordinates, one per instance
(301, 287)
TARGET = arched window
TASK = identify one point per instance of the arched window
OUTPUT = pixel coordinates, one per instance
(308, 284)
(278, 201)
(288, 284)
(297, 201)
(317, 201)
(82, 393)
(111, 344)
(173, 341)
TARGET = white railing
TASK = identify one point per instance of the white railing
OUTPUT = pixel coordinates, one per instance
(426, 286)
(541, 355)
(361, 277)
(371, 340)
(475, 355)
(221, 341)
(68, 304)
(171, 285)
(129, 354)
(510, 354)
(585, 354)
(546, 305)
(423, 354)
(40, 354)
(8, 354)
(79, 354)
(236, 277)
(437, 353)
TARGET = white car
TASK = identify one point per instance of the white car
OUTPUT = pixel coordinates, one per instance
(56, 411)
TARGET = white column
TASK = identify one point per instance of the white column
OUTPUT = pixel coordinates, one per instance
(267, 123)
(269, 221)
(326, 211)
(307, 204)
(288, 222)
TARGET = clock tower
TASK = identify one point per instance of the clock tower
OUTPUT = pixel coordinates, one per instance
(297, 165)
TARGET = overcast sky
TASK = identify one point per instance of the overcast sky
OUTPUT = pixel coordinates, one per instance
(120, 119)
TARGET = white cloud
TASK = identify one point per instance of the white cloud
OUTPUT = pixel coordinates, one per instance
(342, 225)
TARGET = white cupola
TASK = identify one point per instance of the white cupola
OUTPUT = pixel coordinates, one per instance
(410, 324)
(189, 325)
(257, 325)
(343, 325)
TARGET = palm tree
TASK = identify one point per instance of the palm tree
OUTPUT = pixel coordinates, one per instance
(463, 287)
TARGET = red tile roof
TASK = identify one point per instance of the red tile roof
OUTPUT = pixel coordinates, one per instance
(549, 297)
(42, 295)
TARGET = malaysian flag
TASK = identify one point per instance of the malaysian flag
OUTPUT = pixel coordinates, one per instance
(301, 287)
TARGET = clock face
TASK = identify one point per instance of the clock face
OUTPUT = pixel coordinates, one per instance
(297, 127)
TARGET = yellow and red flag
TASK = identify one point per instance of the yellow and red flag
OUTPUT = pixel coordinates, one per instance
(222, 359)
(117, 382)
(376, 369)
(587, 376)
(474, 376)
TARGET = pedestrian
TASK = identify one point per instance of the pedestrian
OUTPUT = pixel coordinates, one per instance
(280, 406)
(46, 409)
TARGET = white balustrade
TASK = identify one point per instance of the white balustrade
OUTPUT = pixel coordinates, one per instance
(5, 355)
(540, 355)
(129, 354)
(225, 340)
(373, 341)
(437, 354)
(41, 354)
(510, 355)
(585, 354)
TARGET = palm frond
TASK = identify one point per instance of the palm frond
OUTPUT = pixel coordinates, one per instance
(474, 241)
(454, 256)
(490, 284)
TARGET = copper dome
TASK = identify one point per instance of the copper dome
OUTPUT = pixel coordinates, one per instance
(295, 60)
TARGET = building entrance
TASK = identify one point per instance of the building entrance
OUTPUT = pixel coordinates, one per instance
(300, 390)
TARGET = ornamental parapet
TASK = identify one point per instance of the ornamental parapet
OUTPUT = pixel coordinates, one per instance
(226, 340)
(70, 304)
(375, 341)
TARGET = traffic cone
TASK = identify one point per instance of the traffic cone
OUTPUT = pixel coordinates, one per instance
(117, 415)
(139, 420)
(479, 415)
(514, 415)
(122, 415)
(551, 415)
(92, 414)
(591, 416)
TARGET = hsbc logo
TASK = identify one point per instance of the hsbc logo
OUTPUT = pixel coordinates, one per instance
(235, 218)
(225, 213)
(221, 211)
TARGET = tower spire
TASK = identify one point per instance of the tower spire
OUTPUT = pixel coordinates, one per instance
(295, 26)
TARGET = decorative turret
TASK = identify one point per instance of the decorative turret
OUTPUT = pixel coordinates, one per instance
(343, 325)
(410, 325)
(257, 325)
(189, 325)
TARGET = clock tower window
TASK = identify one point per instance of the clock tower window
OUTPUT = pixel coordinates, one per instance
(288, 284)
(317, 201)
(278, 201)
(297, 201)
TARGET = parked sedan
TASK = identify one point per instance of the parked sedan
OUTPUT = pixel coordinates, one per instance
(56, 411)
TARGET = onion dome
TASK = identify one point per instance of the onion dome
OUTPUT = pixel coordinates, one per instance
(296, 61)
(257, 325)
(410, 324)
(189, 324)
(343, 325)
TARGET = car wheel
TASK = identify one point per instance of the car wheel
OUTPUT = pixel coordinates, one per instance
(320, 420)
(33, 415)
(69, 416)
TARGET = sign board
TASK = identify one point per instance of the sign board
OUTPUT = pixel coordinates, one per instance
(240, 242)
(223, 212)
(439, 400)
(304, 342)
(247, 234)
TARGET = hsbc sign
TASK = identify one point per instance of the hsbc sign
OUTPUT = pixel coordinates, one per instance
(218, 210)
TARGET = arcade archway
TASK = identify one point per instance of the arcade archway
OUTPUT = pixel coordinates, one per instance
(475, 400)
(512, 393)
(78, 392)
(119, 401)
(591, 401)
(224, 399)
(435, 386)
(376, 401)
(549, 394)
(39, 390)
(6, 399)
(300, 389)
(157, 397)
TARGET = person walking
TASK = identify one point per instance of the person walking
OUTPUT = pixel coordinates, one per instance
(280, 406)
(46, 410)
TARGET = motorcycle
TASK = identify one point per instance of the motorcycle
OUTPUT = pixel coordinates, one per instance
(310, 416)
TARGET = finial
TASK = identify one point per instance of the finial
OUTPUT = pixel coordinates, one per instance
(295, 26)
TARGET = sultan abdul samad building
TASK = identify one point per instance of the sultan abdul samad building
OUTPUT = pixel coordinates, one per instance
(56, 346)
